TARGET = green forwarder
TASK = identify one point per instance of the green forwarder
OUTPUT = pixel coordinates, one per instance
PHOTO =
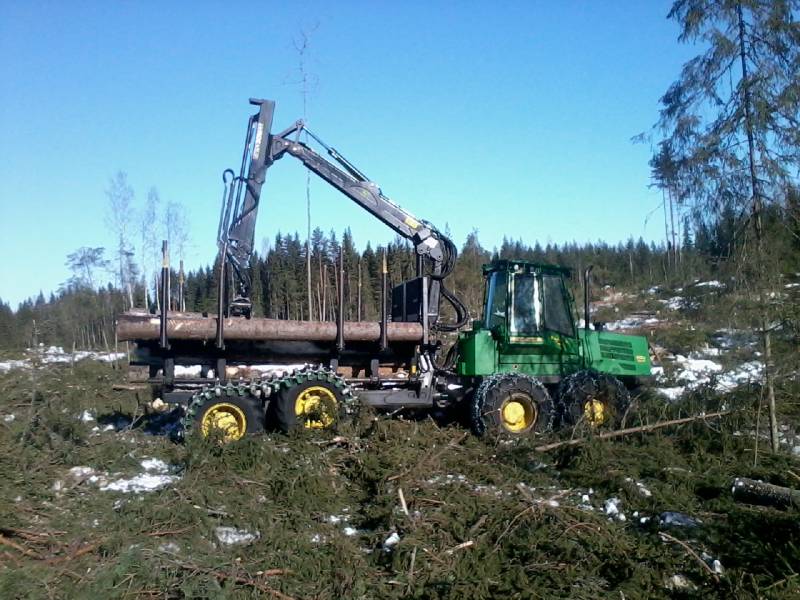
(523, 367)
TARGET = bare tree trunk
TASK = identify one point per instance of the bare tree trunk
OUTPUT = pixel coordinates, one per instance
(672, 227)
(320, 310)
(324, 291)
(308, 236)
(666, 227)
(757, 223)
(158, 299)
(358, 308)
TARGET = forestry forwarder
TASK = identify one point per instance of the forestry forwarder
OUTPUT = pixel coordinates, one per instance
(522, 368)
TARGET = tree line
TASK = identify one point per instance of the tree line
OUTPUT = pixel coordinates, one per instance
(82, 313)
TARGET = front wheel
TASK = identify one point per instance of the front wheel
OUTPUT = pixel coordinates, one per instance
(511, 404)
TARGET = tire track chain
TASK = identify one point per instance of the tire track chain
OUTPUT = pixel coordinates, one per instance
(269, 385)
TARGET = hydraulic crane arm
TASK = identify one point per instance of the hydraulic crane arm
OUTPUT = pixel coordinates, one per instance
(262, 149)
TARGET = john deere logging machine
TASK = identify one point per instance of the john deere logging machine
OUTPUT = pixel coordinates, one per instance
(521, 368)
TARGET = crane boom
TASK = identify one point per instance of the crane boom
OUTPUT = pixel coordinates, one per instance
(242, 194)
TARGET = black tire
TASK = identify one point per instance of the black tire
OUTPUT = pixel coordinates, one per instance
(511, 405)
(311, 404)
(597, 400)
(231, 415)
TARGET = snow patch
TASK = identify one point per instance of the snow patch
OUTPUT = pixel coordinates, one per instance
(169, 548)
(155, 464)
(230, 536)
(698, 368)
(640, 487)
(677, 519)
(672, 393)
(710, 284)
(679, 582)
(674, 303)
(632, 322)
(390, 542)
(8, 365)
(144, 482)
(56, 355)
(612, 508)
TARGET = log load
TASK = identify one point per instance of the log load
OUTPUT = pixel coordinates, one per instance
(140, 326)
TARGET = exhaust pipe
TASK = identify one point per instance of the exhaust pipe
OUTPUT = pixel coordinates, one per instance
(586, 296)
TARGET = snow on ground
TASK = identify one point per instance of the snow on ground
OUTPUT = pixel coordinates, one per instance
(612, 508)
(632, 322)
(710, 284)
(230, 536)
(156, 475)
(697, 369)
(56, 355)
(390, 542)
(8, 365)
(674, 303)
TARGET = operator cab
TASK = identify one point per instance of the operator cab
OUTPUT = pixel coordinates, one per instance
(524, 299)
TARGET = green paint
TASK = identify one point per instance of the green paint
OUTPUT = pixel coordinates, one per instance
(528, 327)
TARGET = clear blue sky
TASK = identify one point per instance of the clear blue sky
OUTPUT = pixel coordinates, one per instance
(513, 118)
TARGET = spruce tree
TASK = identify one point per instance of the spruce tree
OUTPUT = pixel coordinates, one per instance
(730, 124)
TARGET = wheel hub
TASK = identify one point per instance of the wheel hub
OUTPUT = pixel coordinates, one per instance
(518, 414)
(227, 418)
(316, 406)
(595, 413)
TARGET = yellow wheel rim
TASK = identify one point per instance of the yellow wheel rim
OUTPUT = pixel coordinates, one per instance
(518, 413)
(316, 407)
(227, 418)
(595, 412)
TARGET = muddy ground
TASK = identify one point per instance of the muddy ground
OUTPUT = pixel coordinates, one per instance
(97, 501)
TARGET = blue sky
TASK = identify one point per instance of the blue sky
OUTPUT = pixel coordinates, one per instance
(512, 118)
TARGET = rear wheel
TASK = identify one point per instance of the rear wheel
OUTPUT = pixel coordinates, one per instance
(598, 400)
(228, 416)
(511, 404)
(309, 405)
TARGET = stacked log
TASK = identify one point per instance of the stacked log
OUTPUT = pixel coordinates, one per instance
(138, 326)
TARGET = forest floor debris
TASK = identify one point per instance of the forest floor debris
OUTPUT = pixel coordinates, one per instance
(481, 518)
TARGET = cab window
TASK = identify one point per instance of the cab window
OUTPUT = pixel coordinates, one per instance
(526, 305)
(496, 299)
(556, 311)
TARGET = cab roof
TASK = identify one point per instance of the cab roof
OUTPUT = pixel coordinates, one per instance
(512, 265)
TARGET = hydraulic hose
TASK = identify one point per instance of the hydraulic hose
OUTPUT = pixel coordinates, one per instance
(450, 253)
